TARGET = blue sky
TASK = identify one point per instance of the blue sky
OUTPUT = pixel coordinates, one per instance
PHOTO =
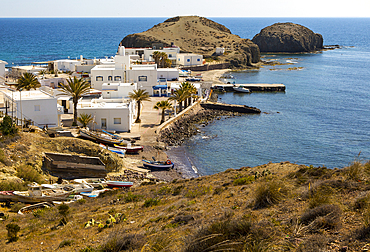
(167, 8)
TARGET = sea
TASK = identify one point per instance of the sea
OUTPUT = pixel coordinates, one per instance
(322, 119)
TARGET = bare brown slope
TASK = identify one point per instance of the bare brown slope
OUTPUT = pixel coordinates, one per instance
(198, 35)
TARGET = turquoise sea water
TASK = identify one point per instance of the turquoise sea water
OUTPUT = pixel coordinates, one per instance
(322, 118)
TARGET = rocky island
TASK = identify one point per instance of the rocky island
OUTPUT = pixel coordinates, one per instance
(288, 38)
(199, 35)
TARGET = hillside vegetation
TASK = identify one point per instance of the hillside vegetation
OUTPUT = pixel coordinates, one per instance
(273, 207)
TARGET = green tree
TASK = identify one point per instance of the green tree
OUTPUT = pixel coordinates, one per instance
(139, 96)
(75, 88)
(7, 126)
(165, 62)
(163, 105)
(190, 92)
(85, 119)
(28, 81)
(13, 230)
(179, 95)
(157, 57)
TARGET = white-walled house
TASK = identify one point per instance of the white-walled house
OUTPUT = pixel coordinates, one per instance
(124, 72)
(220, 50)
(2, 68)
(189, 59)
(35, 105)
(171, 74)
(117, 90)
(65, 65)
(109, 114)
(146, 54)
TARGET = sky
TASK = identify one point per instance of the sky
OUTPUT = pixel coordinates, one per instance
(171, 8)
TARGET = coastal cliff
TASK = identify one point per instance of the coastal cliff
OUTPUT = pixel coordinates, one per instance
(199, 35)
(288, 38)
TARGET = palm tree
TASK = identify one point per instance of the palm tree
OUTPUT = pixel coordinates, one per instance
(85, 119)
(157, 57)
(179, 96)
(75, 88)
(163, 105)
(139, 96)
(28, 81)
(190, 91)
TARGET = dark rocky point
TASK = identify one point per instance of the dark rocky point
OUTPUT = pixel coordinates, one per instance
(288, 38)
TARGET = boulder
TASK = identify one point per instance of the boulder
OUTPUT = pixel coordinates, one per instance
(288, 38)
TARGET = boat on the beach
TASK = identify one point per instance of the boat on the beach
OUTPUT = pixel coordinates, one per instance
(158, 165)
(227, 79)
(218, 88)
(31, 208)
(36, 193)
(184, 73)
(6, 196)
(113, 149)
(241, 89)
(76, 188)
(120, 183)
(100, 137)
(94, 182)
(130, 149)
(193, 79)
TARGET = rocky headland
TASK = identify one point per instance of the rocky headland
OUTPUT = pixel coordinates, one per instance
(199, 35)
(288, 38)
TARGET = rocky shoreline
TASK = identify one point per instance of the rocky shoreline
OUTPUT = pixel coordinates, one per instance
(187, 126)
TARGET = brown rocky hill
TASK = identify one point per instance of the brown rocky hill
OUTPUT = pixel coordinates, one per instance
(198, 35)
(288, 37)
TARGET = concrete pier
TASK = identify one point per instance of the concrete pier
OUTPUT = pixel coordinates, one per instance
(258, 87)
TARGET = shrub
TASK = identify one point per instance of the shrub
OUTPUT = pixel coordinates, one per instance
(13, 230)
(16, 206)
(4, 159)
(324, 216)
(28, 173)
(151, 202)
(244, 180)
(362, 202)
(198, 191)
(64, 211)
(354, 171)
(316, 243)
(269, 193)
(11, 185)
(7, 126)
(164, 190)
(177, 190)
(130, 197)
(65, 243)
(122, 241)
(322, 195)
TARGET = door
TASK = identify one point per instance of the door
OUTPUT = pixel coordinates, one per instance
(104, 123)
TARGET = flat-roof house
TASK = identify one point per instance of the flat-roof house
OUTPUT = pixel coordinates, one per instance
(2, 68)
(35, 105)
(189, 59)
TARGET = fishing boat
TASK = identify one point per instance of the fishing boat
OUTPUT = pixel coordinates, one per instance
(227, 79)
(130, 149)
(112, 149)
(36, 193)
(241, 89)
(120, 183)
(100, 137)
(158, 165)
(193, 79)
(94, 182)
(76, 188)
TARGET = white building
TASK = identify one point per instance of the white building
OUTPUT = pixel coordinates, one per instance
(35, 105)
(2, 68)
(65, 65)
(189, 59)
(19, 70)
(111, 111)
(220, 50)
(171, 74)
(124, 72)
(146, 54)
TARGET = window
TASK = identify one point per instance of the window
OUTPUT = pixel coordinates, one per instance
(110, 78)
(117, 120)
(37, 107)
(143, 78)
(117, 78)
(198, 59)
(169, 55)
(104, 123)
(188, 60)
(99, 78)
(179, 59)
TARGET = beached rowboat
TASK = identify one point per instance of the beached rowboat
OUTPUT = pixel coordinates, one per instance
(158, 165)
(130, 149)
(120, 183)
(99, 137)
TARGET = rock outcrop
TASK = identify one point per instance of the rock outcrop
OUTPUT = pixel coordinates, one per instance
(199, 35)
(288, 38)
